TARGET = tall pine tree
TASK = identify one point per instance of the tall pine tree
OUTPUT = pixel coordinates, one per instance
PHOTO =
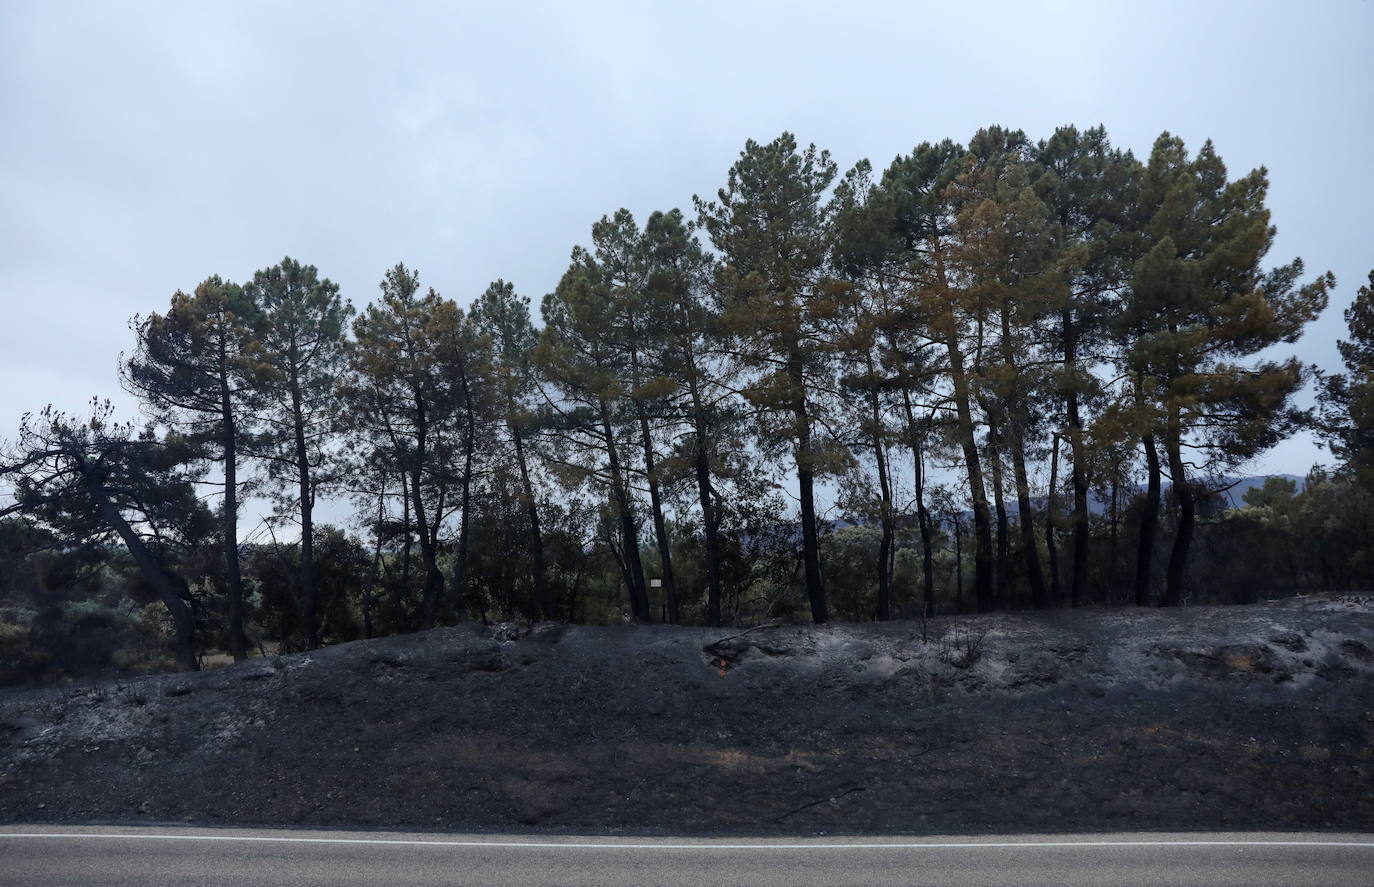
(1199, 304)
(770, 225)
(192, 366)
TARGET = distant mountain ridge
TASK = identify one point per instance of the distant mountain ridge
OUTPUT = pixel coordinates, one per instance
(1236, 494)
(1233, 489)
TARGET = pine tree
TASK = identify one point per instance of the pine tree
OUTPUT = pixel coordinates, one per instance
(1198, 304)
(465, 364)
(504, 318)
(864, 328)
(192, 367)
(621, 254)
(1089, 188)
(1347, 399)
(770, 227)
(689, 341)
(400, 398)
(923, 215)
(299, 346)
(1004, 245)
(580, 353)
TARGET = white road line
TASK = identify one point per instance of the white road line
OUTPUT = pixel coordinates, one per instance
(556, 845)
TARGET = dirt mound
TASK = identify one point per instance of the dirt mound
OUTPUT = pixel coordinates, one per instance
(1245, 717)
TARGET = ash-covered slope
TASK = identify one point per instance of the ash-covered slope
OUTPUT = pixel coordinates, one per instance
(1241, 717)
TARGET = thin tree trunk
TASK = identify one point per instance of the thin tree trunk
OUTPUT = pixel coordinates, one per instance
(1112, 566)
(806, 486)
(429, 554)
(705, 495)
(811, 562)
(1014, 433)
(889, 532)
(1027, 521)
(537, 572)
(1176, 577)
(665, 553)
(233, 576)
(460, 554)
(927, 545)
(634, 568)
(403, 589)
(710, 518)
(370, 597)
(958, 566)
(1082, 537)
(982, 522)
(1149, 524)
(922, 514)
(1052, 522)
(1003, 582)
(308, 590)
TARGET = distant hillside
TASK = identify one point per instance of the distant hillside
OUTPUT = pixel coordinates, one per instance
(1235, 490)
(1100, 505)
(1236, 494)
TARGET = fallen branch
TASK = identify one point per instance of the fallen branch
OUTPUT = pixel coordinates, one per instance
(743, 633)
(830, 800)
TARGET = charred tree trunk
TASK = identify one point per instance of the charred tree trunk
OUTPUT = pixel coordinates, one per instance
(1149, 524)
(710, 517)
(170, 589)
(370, 597)
(633, 567)
(922, 514)
(460, 553)
(665, 552)
(1003, 583)
(537, 573)
(1027, 523)
(1176, 578)
(982, 520)
(958, 565)
(429, 555)
(1014, 435)
(1052, 523)
(1082, 536)
(806, 484)
(429, 547)
(307, 494)
(705, 495)
(1112, 557)
(403, 590)
(889, 530)
(233, 576)
(948, 326)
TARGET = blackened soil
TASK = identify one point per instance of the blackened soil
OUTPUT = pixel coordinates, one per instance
(1256, 717)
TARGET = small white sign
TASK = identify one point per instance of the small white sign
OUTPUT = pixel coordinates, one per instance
(655, 583)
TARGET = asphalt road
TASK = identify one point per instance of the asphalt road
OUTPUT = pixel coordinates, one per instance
(54, 856)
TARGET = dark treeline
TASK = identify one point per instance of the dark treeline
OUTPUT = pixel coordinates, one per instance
(1006, 374)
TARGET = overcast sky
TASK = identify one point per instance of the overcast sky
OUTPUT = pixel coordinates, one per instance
(145, 146)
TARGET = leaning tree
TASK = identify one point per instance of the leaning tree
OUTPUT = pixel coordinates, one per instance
(96, 482)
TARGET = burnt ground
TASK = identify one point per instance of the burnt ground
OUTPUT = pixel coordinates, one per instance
(1258, 717)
